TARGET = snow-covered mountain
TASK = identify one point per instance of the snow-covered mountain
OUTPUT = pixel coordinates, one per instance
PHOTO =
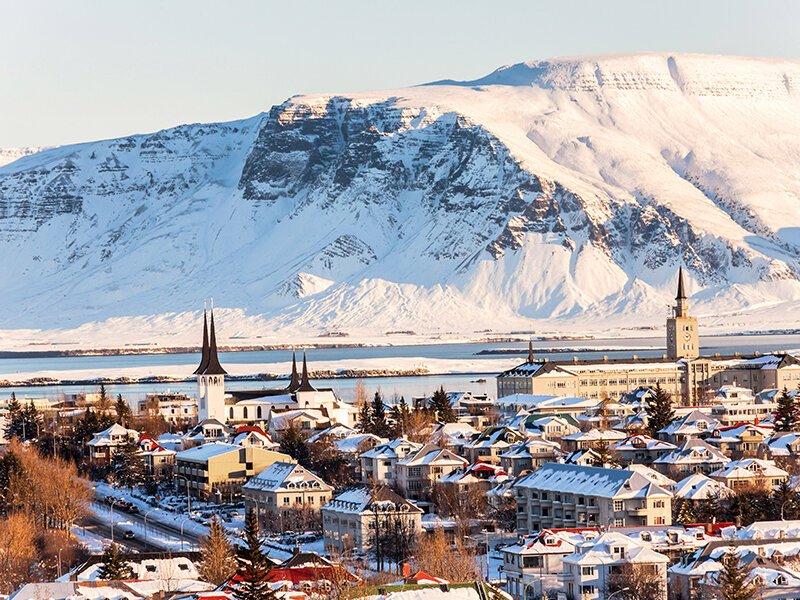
(9, 155)
(552, 194)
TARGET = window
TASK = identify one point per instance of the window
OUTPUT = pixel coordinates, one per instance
(587, 589)
(587, 570)
(619, 505)
(414, 472)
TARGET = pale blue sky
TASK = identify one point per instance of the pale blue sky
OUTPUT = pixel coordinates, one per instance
(83, 70)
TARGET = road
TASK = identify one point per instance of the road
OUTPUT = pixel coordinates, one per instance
(151, 536)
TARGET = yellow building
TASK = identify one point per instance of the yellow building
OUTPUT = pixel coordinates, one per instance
(211, 467)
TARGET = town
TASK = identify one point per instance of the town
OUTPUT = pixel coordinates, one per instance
(671, 477)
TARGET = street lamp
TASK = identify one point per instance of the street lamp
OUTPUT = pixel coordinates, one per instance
(113, 502)
(147, 512)
(188, 496)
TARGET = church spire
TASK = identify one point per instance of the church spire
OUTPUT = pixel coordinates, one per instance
(681, 288)
(530, 351)
(204, 355)
(213, 367)
(305, 385)
(294, 382)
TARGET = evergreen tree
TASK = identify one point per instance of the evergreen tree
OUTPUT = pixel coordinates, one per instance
(103, 401)
(114, 566)
(380, 424)
(294, 444)
(732, 580)
(659, 410)
(785, 502)
(10, 465)
(14, 416)
(685, 513)
(127, 465)
(401, 416)
(123, 411)
(31, 424)
(605, 456)
(365, 417)
(441, 407)
(786, 415)
(218, 558)
(254, 584)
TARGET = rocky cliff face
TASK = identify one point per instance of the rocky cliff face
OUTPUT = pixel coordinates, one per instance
(561, 191)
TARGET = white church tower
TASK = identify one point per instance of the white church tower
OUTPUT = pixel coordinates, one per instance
(210, 377)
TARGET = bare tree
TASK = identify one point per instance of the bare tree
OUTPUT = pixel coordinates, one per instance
(17, 541)
(637, 582)
(438, 557)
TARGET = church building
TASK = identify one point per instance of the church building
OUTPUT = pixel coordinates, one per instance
(261, 406)
(689, 377)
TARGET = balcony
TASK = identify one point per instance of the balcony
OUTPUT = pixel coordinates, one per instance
(638, 511)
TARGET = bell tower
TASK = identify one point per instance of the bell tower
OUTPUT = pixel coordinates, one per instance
(683, 340)
(210, 377)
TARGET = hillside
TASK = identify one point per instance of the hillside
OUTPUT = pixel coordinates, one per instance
(550, 195)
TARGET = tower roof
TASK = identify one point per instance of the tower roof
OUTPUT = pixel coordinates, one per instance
(294, 382)
(681, 288)
(305, 384)
(213, 367)
(204, 355)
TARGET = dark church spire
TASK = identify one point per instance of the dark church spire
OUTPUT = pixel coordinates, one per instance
(294, 382)
(213, 367)
(530, 351)
(681, 289)
(305, 384)
(204, 356)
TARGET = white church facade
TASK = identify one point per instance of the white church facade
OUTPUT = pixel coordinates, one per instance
(261, 406)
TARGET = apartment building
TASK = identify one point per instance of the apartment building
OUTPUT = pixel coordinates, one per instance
(528, 455)
(378, 464)
(104, 444)
(284, 487)
(491, 443)
(589, 572)
(694, 456)
(210, 467)
(418, 472)
(563, 495)
(353, 519)
(750, 472)
(641, 449)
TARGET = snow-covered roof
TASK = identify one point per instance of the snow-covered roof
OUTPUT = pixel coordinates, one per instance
(396, 448)
(605, 550)
(643, 442)
(592, 481)
(652, 475)
(699, 487)
(749, 468)
(207, 451)
(104, 438)
(285, 477)
(596, 435)
(693, 451)
(694, 423)
(360, 499)
(431, 454)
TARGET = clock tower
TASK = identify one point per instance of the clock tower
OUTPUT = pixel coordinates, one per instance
(683, 340)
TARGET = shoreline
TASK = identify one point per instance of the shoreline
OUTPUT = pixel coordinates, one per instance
(347, 374)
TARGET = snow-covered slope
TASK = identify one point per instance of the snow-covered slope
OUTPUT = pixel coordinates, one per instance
(559, 194)
(9, 155)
